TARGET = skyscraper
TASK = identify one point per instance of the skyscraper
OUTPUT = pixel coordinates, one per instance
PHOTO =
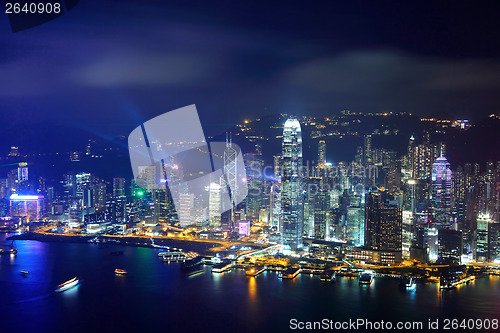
(383, 225)
(441, 190)
(322, 152)
(231, 172)
(367, 149)
(291, 181)
(118, 187)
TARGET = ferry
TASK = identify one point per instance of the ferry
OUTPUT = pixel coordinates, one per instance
(67, 285)
(366, 278)
(290, 273)
(349, 271)
(173, 256)
(328, 276)
(407, 282)
(192, 266)
(120, 271)
(255, 270)
(222, 267)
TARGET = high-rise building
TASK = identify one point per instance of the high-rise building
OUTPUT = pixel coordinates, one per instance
(483, 222)
(214, 206)
(407, 233)
(441, 190)
(118, 187)
(383, 225)
(231, 174)
(291, 182)
(367, 149)
(321, 152)
(450, 245)
(355, 225)
(29, 206)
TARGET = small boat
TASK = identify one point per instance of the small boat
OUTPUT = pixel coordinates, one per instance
(120, 271)
(67, 285)
(115, 253)
(24, 273)
(407, 282)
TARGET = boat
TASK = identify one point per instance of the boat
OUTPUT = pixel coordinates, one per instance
(119, 271)
(328, 276)
(24, 273)
(366, 278)
(407, 282)
(255, 270)
(173, 256)
(115, 253)
(67, 285)
(290, 273)
(192, 266)
(222, 267)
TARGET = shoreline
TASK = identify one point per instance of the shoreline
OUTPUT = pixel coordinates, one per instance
(185, 245)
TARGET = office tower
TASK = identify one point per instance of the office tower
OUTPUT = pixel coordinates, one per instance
(432, 241)
(255, 198)
(321, 152)
(99, 195)
(116, 210)
(483, 222)
(407, 234)
(393, 175)
(186, 202)
(83, 182)
(275, 205)
(118, 187)
(459, 191)
(321, 208)
(450, 245)
(230, 165)
(277, 165)
(494, 242)
(355, 221)
(230, 174)
(214, 205)
(383, 225)
(359, 155)
(367, 149)
(28, 206)
(22, 172)
(291, 182)
(308, 218)
(441, 191)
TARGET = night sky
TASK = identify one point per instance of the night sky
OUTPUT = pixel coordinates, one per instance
(107, 66)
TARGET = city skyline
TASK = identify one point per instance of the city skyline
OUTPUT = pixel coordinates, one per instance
(249, 166)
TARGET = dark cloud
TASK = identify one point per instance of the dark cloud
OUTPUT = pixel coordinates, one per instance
(106, 66)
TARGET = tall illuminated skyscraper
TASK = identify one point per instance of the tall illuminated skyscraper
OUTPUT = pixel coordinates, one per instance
(322, 152)
(291, 182)
(441, 190)
(231, 172)
(367, 149)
